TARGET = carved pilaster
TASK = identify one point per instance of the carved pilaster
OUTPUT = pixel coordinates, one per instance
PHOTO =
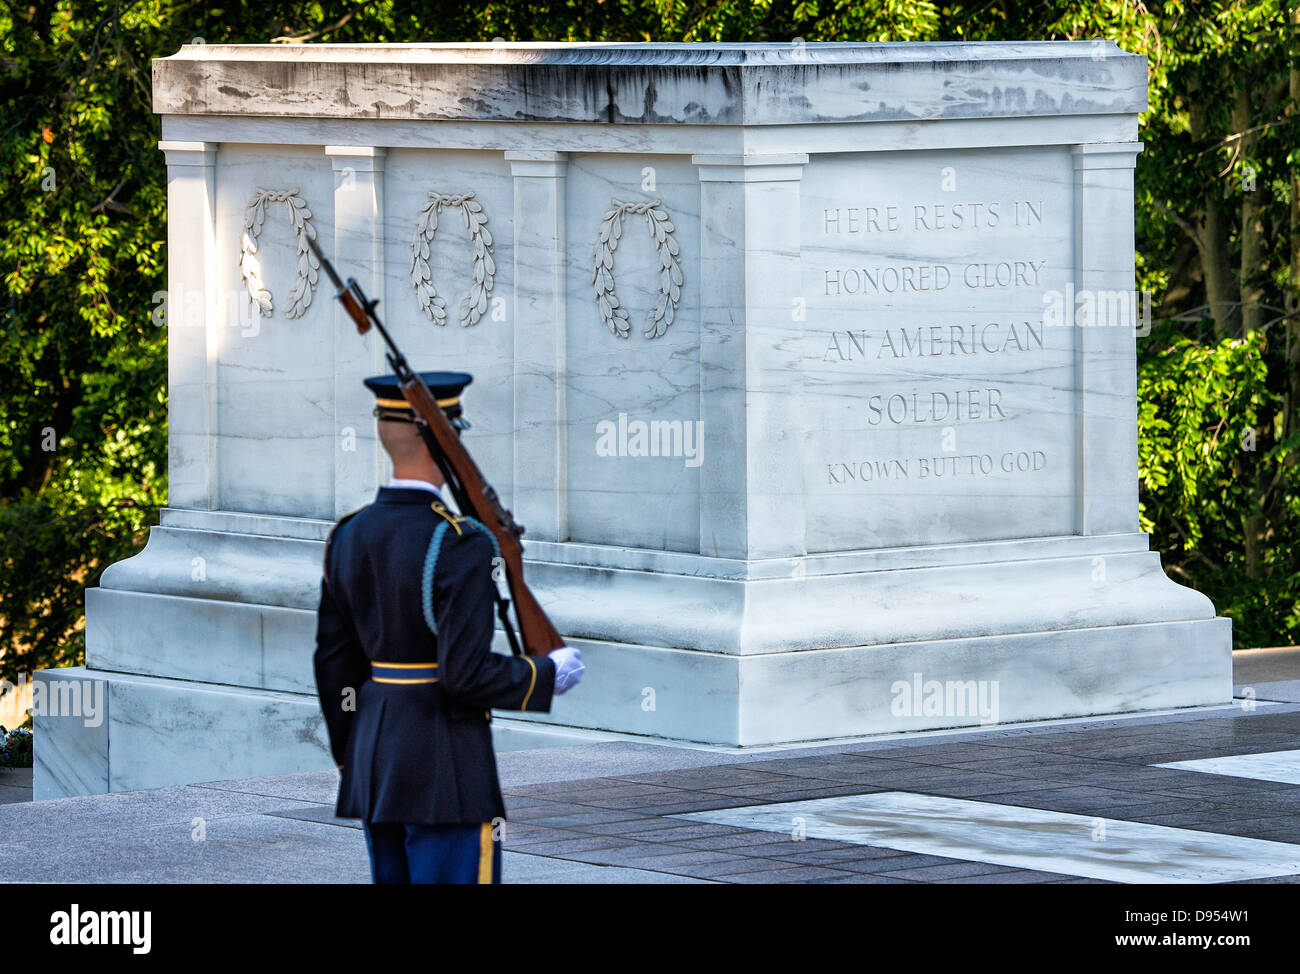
(751, 381)
(193, 328)
(1105, 350)
(360, 464)
(539, 360)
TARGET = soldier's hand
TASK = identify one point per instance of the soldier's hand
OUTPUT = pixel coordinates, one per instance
(568, 668)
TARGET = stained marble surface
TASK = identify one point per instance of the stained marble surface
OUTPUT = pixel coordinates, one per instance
(695, 84)
(1042, 130)
(1027, 838)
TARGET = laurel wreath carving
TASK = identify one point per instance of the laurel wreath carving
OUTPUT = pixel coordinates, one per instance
(304, 283)
(474, 304)
(612, 312)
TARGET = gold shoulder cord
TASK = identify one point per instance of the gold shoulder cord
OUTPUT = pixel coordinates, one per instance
(450, 518)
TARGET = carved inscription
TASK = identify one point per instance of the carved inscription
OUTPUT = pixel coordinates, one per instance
(904, 278)
(900, 392)
(967, 217)
(935, 467)
(991, 338)
(971, 218)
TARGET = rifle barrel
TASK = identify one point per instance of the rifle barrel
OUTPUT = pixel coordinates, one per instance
(329, 268)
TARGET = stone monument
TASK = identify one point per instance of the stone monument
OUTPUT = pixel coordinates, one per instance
(810, 369)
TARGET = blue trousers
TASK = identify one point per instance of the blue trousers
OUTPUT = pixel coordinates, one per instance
(401, 853)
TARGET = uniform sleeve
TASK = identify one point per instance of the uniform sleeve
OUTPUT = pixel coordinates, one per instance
(464, 607)
(341, 667)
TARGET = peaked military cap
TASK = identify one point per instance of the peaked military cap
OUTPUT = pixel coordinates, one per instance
(445, 386)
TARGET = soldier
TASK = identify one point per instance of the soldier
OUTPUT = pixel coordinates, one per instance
(404, 666)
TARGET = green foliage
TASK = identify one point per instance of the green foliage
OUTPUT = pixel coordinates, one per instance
(1200, 405)
(82, 250)
(51, 555)
(1219, 413)
(83, 366)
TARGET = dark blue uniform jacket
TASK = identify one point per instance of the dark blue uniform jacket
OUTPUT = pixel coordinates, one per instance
(416, 753)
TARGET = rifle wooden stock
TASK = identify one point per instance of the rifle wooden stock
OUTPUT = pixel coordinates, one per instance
(476, 496)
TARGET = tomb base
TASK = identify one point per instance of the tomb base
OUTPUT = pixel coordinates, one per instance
(198, 675)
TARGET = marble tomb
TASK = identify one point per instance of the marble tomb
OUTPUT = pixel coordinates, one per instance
(810, 369)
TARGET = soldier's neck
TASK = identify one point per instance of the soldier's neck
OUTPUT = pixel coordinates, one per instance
(427, 471)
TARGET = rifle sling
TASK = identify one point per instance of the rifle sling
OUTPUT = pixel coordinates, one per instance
(503, 612)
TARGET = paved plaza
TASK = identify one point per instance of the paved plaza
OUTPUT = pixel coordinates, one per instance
(1210, 795)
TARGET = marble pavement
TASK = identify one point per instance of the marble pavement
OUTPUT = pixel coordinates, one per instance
(1083, 801)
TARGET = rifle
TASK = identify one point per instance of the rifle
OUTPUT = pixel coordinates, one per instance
(474, 495)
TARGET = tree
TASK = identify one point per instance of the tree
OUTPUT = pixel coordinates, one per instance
(82, 215)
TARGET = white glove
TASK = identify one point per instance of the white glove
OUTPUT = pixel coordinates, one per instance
(568, 668)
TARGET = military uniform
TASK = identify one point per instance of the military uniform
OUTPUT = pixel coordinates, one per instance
(407, 678)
